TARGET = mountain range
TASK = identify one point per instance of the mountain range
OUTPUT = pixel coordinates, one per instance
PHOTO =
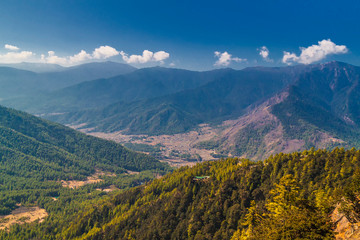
(254, 112)
(17, 83)
(259, 111)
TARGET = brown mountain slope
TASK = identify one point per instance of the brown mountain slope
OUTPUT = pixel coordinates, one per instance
(256, 135)
(260, 133)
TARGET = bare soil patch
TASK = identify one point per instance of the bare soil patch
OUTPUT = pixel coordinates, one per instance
(95, 178)
(132, 172)
(108, 189)
(22, 215)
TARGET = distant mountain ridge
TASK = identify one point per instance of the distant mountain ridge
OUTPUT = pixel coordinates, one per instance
(320, 109)
(218, 99)
(317, 106)
(21, 83)
(35, 67)
(227, 96)
(138, 85)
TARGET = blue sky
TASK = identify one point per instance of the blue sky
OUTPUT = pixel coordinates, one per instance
(196, 35)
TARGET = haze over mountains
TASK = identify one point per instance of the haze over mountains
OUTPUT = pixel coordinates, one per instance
(140, 84)
(271, 109)
(35, 67)
(21, 83)
(253, 113)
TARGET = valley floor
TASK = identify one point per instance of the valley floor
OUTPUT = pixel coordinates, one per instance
(255, 135)
(177, 150)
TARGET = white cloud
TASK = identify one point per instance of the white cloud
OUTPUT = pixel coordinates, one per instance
(288, 58)
(15, 57)
(11, 47)
(161, 56)
(264, 53)
(314, 53)
(52, 58)
(147, 56)
(225, 59)
(172, 64)
(104, 52)
(80, 57)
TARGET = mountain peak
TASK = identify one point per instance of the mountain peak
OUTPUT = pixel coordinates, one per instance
(334, 64)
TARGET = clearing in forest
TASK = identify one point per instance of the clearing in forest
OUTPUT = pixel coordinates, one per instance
(22, 215)
(90, 180)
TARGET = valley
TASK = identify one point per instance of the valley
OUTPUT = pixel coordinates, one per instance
(210, 142)
(208, 119)
(179, 120)
(177, 150)
(118, 164)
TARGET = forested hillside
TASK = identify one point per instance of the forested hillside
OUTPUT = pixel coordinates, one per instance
(36, 155)
(286, 196)
(227, 96)
(252, 112)
(138, 85)
(319, 109)
(326, 98)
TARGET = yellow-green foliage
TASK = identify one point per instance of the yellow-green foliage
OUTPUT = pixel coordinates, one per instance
(287, 196)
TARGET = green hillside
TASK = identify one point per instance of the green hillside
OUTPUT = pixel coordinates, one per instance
(286, 196)
(226, 97)
(36, 154)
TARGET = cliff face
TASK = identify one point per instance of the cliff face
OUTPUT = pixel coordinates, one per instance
(345, 230)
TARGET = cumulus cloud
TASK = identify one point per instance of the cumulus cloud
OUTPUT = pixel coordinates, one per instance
(225, 58)
(161, 56)
(15, 57)
(264, 53)
(80, 57)
(314, 53)
(53, 59)
(11, 47)
(102, 52)
(147, 56)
